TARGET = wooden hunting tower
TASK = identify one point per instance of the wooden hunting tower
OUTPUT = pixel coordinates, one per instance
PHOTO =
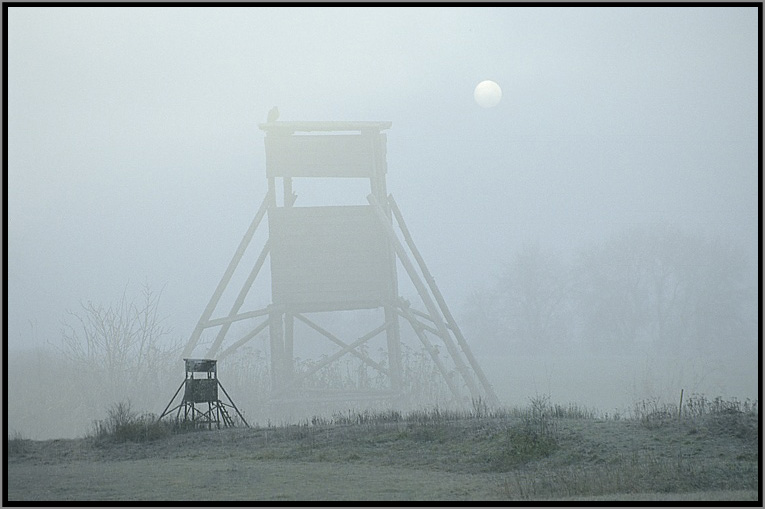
(200, 388)
(338, 258)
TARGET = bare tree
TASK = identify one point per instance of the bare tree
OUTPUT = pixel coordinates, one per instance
(650, 288)
(612, 294)
(529, 306)
(534, 292)
(121, 348)
(663, 289)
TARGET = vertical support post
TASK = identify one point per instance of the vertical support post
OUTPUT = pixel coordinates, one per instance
(393, 333)
(379, 190)
(289, 320)
(272, 191)
(289, 350)
(377, 180)
(287, 191)
(680, 407)
(276, 332)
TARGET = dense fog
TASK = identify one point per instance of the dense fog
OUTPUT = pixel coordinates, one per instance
(595, 233)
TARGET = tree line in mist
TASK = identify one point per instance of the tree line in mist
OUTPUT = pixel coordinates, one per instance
(657, 289)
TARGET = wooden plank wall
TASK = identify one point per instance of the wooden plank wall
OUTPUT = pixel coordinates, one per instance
(322, 156)
(329, 258)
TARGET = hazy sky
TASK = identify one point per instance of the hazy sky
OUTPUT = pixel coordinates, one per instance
(134, 152)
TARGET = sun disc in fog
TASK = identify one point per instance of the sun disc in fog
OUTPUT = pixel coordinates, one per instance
(487, 94)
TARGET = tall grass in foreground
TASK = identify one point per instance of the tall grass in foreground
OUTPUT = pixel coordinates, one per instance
(696, 405)
(728, 417)
(124, 425)
(16, 444)
(539, 409)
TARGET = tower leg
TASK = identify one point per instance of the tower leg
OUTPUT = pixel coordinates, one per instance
(394, 347)
(489, 390)
(277, 349)
(231, 402)
(287, 361)
(443, 333)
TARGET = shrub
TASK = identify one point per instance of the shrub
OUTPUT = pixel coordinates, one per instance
(17, 444)
(653, 414)
(718, 416)
(697, 405)
(124, 425)
(740, 425)
(535, 437)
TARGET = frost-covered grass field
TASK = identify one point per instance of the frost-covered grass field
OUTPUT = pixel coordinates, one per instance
(540, 452)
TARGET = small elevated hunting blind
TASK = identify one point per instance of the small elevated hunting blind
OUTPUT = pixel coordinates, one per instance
(337, 258)
(200, 387)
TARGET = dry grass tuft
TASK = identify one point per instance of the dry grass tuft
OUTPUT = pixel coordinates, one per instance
(17, 445)
(124, 425)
